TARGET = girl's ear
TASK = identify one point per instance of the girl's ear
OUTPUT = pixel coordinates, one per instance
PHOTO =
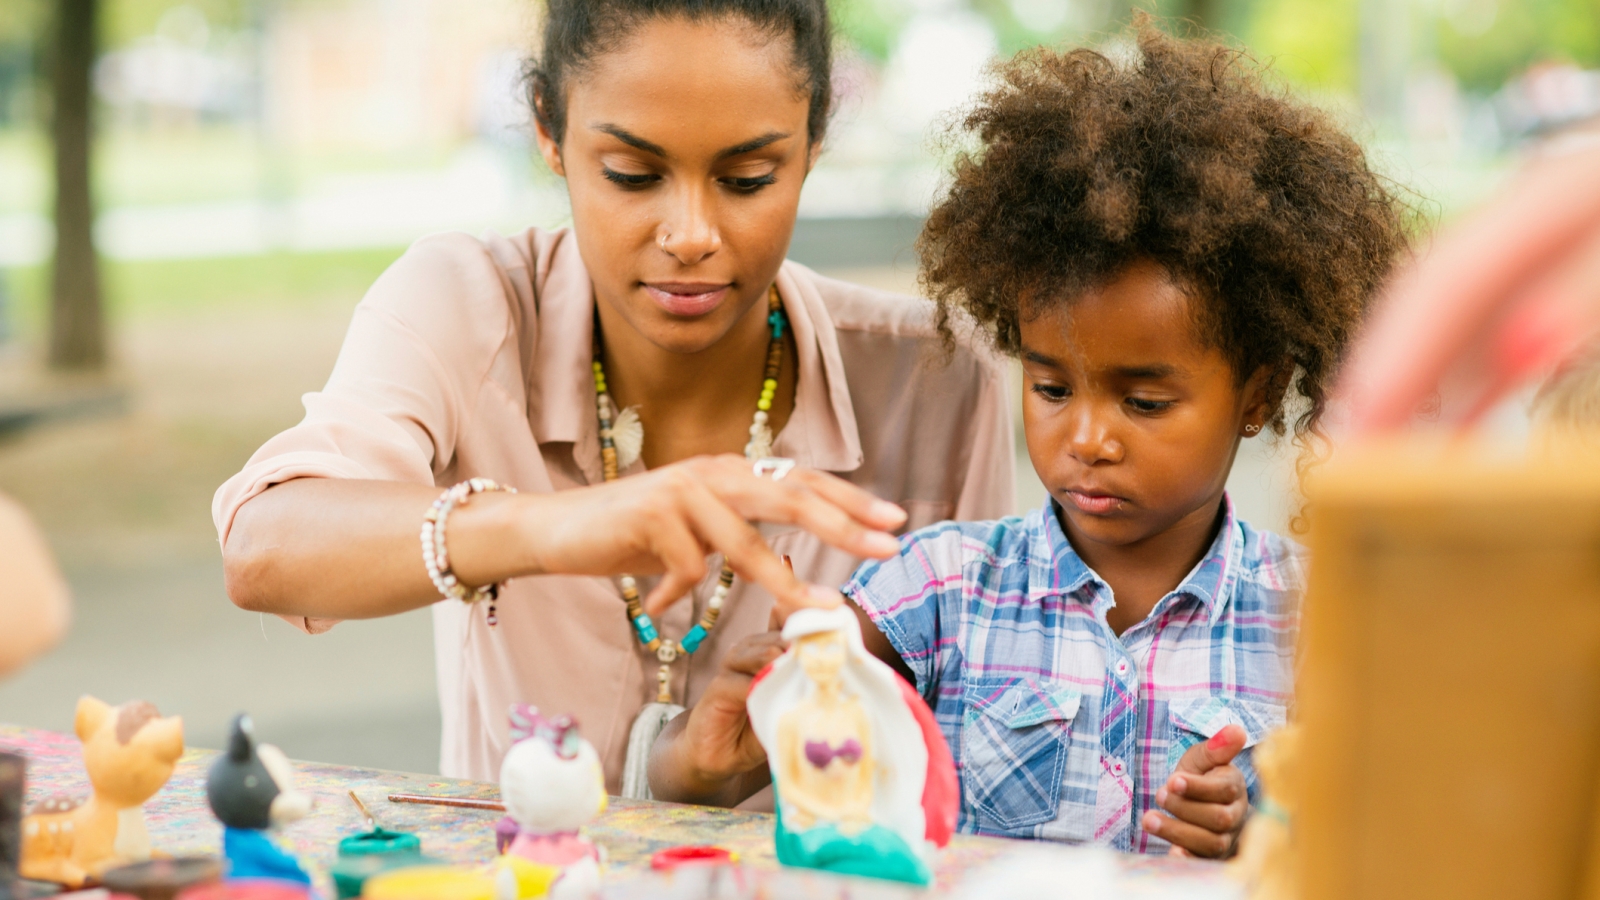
(548, 148)
(1264, 393)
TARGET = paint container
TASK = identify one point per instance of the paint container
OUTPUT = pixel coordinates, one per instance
(380, 840)
(350, 873)
(430, 883)
(162, 879)
(248, 889)
(694, 855)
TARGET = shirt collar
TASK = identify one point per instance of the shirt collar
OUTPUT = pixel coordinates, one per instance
(821, 432)
(1055, 569)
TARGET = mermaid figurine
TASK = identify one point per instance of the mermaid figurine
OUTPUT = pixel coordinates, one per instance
(863, 779)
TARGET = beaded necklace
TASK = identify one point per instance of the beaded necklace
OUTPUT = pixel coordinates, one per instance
(759, 447)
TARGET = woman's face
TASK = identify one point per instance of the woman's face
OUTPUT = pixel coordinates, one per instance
(684, 152)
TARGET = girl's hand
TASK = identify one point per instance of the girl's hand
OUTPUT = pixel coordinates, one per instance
(710, 753)
(670, 519)
(1206, 797)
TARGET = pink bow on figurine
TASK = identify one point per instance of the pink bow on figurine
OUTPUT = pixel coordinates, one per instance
(560, 732)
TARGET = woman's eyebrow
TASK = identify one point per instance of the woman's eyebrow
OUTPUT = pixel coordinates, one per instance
(631, 139)
(753, 144)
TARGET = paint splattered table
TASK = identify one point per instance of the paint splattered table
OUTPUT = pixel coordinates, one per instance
(630, 830)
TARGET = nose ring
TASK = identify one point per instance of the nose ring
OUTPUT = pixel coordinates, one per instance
(661, 241)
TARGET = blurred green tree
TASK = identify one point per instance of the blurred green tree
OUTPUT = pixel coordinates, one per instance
(1487, 42)
(77, 320)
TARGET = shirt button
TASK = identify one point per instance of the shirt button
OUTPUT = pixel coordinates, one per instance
(1122, 667)
(1117, 768)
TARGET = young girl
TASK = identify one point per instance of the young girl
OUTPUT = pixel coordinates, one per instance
(1169, 249)
(684, 130)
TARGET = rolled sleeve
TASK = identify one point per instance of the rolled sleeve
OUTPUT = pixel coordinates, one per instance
(413, 361)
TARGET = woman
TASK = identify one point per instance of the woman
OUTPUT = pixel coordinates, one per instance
(36, 606)
(684, 131)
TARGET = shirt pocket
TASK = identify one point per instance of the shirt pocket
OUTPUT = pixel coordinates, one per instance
(1198, 718)
(1014, 739)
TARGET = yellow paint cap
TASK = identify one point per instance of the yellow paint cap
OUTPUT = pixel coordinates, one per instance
(430, 883)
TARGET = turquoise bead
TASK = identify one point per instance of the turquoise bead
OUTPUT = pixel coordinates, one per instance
(645, 628)
(691, 641)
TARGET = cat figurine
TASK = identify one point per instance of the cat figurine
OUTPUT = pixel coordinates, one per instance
(129, 752)
(552, 785)
(251, 789)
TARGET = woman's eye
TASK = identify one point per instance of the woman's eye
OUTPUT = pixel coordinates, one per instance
(1052, 392)
(1149, 406)
(749, 185)
(627, 179)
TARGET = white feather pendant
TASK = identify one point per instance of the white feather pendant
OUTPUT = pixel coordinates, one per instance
(627, 435)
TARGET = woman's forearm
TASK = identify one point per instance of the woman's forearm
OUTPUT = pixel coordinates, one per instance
(345, 549)
(35, 605)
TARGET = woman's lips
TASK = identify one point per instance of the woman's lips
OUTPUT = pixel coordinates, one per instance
(1095, 504)
(687, 299)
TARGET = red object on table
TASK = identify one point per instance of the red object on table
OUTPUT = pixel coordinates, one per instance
(247, 889)
(678, 857)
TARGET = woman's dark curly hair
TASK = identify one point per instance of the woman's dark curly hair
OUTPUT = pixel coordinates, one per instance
(1260, 205)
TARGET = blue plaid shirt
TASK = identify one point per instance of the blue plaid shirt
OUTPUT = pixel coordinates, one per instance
(1060, 728)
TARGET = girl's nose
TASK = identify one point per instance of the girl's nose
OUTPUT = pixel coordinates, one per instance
(1090, 439)
(690, 234)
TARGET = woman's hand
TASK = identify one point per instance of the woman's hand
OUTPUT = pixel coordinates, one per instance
(670, 519)
(710, 754)
(345, 549)
(1510, 291)
(1206, 797)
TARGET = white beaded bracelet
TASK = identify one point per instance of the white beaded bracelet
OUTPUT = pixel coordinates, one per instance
(436, 559)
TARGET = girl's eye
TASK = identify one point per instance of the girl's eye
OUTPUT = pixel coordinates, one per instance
(1053, 392)
(628, 180)
(1149, 406)
(750, 185)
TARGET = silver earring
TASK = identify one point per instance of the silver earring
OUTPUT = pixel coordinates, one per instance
(1251, 429)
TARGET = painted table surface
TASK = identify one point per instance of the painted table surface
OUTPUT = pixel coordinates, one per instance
(630, 831)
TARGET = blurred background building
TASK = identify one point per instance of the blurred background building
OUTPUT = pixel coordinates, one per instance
(256, 163)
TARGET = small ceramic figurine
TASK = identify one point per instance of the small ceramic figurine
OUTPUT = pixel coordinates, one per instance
(129, 752)
(1266, 861)
(552, 785)
(863, 780)
(13, 768)
(251, 789)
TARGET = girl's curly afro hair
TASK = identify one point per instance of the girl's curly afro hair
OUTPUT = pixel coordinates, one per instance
(1259, 205)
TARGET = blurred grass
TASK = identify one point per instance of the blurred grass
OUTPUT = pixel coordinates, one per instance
(147, 289)
(155, 166)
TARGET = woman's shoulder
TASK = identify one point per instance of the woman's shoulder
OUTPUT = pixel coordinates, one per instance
(454, 288)
(873, 319)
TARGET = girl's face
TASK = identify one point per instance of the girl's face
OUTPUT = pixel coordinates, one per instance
(684, 153)
(1132, 422)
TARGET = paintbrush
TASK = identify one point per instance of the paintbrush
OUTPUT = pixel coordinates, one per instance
(441, 800)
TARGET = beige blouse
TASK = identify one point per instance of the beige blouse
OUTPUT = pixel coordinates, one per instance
(471, 357)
